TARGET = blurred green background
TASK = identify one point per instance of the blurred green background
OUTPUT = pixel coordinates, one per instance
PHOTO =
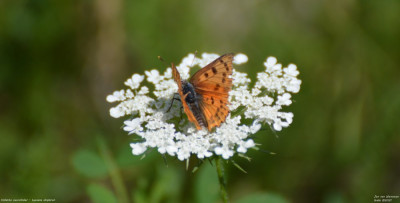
(59, 60)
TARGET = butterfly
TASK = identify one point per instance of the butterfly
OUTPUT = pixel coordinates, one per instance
(205, 96)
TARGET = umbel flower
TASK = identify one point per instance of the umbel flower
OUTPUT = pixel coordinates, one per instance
(171, 133)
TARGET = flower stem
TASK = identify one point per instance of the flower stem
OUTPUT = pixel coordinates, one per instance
(221, 178)
(115, 175)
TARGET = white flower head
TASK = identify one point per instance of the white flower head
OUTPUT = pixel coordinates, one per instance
(159, 125)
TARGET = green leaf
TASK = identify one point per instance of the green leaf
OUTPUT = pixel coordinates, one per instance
(207, 185)
(139, 194)
(125, 158)
(168, 184)
(238, 166)
(334, 197)
(263, 197)
(100, 194)
(89, 164)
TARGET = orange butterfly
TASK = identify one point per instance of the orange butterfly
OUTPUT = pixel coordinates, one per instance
(205, 96)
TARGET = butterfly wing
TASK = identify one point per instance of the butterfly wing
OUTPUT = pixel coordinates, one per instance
(189, 113)
(216, 113)
(213, 83)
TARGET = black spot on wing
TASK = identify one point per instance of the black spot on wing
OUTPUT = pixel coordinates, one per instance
(216, 87)
(214, 70)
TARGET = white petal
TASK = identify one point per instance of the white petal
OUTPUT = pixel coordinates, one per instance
(116, 112)
(138, 148)
(271, 61)
(240, 58)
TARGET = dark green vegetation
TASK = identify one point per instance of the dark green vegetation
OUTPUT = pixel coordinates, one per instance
(59, 60)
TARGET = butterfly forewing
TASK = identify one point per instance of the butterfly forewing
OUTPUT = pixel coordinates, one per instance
(213, 83)
(177, 77)
(215, 77)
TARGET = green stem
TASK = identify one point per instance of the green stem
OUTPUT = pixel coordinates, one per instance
(221, 178)
(116, 177)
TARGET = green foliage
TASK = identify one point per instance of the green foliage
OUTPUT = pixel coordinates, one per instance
(89, 164)
(125, 159)
(100, 194)
(262, 198)
(168, 185)
(207, 186)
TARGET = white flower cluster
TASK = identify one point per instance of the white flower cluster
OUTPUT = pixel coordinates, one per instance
(165, 130)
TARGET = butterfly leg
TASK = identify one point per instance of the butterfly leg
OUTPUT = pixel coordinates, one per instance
(173, 99)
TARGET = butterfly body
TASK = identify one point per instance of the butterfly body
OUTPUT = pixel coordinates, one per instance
(205, 96)
(188, 89)
(193, 99)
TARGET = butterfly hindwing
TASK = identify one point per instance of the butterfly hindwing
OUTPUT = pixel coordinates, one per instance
(215, 109)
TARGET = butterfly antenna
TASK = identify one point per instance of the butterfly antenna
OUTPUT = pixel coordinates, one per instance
(162, 60)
